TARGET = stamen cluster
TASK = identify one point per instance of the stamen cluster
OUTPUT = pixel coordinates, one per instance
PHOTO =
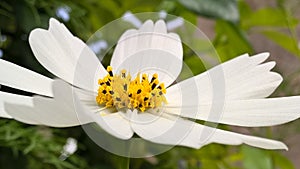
(122, 92)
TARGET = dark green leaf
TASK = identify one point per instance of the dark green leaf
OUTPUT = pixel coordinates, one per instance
(218, 9)
(27, 17)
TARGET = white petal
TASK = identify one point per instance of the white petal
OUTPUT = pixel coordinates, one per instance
(150, 48)
(245, 83)
(160, 27)
(71, 107)
(158, 128)
(18, 77)
(186, 133)
(230, 138)
(148, 26)
(251, 79)
(262, 112)
(153, 61)
(239, 78)
(66, 56)
(54, 112)
(249, 113)
(126, 45)
(115, 124)
(13, 98)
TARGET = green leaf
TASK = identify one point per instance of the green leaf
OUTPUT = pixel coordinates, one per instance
(282, 162)
(256, 158)
(217, 9)
(268, 17)
(230, 41)
(286, 41)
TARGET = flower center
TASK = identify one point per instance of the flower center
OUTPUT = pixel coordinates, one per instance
(122, 92)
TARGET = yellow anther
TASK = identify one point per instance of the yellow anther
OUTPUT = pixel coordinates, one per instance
(109, 70)
(122, 92)
(155, 75)
(123, 73)
(144, 77)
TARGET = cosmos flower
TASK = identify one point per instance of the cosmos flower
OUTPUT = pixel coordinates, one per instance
(137, 93)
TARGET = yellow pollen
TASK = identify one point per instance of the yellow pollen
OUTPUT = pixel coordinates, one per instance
(120, 91)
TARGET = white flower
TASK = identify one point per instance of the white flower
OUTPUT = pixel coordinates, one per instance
(69, 148)
(150, 49)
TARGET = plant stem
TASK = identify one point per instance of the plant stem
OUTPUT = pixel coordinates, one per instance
(127, 162)
(124, 163)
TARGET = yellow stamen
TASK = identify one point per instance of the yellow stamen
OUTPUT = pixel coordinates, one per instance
(122, 92)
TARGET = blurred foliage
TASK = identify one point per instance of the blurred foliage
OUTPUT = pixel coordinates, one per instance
(277, 24)
(217, 9)
(35, 147)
